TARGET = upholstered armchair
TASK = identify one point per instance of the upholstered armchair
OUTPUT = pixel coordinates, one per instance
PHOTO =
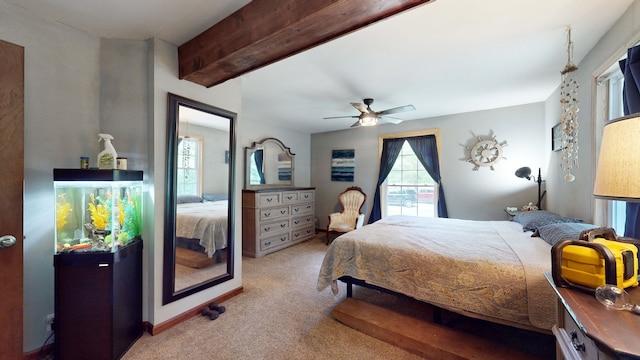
(351, 216)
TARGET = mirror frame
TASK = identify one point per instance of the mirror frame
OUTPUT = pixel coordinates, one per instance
(169, 266)
(261, 145)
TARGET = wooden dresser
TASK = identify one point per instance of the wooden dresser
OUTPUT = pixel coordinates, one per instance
(273, 219)
(586, 329)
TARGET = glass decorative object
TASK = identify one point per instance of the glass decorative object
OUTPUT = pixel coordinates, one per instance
(569, 117)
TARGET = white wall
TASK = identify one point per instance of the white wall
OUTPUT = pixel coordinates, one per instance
(62, 70)
(478, 195)
(225, 96)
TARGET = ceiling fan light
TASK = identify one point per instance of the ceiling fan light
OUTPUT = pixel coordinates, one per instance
(368, 120)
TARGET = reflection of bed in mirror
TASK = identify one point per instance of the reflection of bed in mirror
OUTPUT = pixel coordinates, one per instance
(201, 230)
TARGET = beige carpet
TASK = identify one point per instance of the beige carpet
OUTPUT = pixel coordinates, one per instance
(280, 315)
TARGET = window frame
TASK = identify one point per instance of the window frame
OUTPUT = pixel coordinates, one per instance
(198, 165)
(608, 212)
(384, 188)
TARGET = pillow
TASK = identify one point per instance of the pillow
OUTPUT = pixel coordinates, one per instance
(553, 233)
(532, 220)
(184, 199)
(215, 197)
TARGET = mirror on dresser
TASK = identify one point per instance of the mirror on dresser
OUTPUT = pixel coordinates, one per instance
(275, 213)
(199, 200)
(269, 163)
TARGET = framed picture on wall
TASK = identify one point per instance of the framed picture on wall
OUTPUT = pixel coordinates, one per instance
(556, 138)
(342, 165)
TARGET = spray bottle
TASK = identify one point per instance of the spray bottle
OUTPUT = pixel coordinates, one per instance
(107, 157)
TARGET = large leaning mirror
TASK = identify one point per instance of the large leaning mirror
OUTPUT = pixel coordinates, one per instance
(198, 238)
(269, 163)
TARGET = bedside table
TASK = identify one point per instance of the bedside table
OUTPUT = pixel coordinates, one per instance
(586, 329)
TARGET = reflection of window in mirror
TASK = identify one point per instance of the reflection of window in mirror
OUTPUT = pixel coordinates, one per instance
(256, 176)
(189, 175)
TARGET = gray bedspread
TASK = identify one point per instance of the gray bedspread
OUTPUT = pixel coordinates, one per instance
(205, 221)
(490, 269)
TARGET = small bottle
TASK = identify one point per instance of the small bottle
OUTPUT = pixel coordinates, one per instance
(84, 162)
(121, 163)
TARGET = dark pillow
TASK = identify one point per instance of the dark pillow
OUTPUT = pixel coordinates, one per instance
(532, 220)
(215, 197)
(555, 232)
(184, 199)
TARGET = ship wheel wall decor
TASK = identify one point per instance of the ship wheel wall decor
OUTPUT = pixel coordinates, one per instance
(486, 152)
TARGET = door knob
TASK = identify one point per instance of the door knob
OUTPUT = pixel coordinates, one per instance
(7, 241)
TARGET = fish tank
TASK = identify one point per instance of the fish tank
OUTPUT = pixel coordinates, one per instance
(96, 210)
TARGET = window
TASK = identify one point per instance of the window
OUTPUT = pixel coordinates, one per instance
(610, 106)
(409, 188)
(189, 173)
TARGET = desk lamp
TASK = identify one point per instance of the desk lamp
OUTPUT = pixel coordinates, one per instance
(525, 173)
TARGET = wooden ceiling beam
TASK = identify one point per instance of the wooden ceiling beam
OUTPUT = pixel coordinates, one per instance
(265, 31)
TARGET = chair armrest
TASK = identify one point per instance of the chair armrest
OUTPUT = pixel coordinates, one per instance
(336, 217)
(360, 221)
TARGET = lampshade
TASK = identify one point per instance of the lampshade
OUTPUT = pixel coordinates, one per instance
(524, 172)
(618, 172)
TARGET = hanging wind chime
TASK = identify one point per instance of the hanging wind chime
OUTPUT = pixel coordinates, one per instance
(569, 117)
(186, 152)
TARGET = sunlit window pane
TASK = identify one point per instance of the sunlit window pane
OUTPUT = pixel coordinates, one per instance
(409, 188)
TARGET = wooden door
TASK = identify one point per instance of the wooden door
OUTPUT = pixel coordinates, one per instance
(11, 193)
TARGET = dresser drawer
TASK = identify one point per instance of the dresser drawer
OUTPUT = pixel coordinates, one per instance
(303, 233)
(573, 343)
(289, 197)
(274, 227)
(269, 199)
(274, 213)
(302, 209)
(302, 221)
(274, 241)
(307, 195)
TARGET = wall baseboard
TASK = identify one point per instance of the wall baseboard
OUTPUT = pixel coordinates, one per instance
(158, 328)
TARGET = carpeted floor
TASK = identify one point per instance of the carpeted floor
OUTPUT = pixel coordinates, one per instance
(280, 315)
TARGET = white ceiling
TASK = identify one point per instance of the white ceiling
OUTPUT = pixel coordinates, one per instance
(446, 57)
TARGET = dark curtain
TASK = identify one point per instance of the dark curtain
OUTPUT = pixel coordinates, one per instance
(390, 151)
(259, 159)
(631, 100)
(426, 150)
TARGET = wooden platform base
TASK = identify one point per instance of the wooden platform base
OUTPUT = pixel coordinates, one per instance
(426, 339)
(193, 259)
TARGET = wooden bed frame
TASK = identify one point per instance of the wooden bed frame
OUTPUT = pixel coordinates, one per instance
(437, 310)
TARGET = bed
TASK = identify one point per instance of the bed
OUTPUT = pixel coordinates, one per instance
(201, 225)
(492, 270)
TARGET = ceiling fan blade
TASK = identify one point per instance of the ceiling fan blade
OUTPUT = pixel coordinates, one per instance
(396, 110)
(340, 117)
(356, 124)
(362, 108)
(388, 119)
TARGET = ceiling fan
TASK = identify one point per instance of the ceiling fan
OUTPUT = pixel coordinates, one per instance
(369, 117)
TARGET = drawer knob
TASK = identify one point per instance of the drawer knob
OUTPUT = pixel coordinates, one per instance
(574, 341)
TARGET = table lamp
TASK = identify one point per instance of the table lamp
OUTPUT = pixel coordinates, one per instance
(618, 172)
